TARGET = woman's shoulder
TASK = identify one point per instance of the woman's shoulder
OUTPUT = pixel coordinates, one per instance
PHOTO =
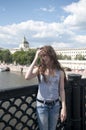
(63, 75)
(61, 72)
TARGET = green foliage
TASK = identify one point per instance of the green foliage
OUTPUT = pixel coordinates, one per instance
(79, 57)
(63, 57)
(24, 57)
(5, 56)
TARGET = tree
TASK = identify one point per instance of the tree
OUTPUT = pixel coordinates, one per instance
(5, 56)
(24, 57)
(63, 57)
(79, 57)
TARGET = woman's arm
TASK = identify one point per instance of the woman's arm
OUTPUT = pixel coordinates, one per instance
(32, 70)
(62, 95)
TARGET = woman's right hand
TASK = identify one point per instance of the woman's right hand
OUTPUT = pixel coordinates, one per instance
(37, 53)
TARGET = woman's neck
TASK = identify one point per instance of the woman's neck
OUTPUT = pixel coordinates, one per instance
(50, 71)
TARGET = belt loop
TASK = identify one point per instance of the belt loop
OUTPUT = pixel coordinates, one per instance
(44, 102)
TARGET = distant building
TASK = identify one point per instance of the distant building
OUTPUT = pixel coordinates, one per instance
(73, 52)
(24, 45)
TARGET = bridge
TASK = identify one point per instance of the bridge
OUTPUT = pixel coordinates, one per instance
(18, 106)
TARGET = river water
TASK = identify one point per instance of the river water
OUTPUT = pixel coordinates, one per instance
(14, 80)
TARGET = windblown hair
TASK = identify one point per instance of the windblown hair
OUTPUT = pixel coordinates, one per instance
(48, 50)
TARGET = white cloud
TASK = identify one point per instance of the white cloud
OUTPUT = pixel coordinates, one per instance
(80, 39)
(49, 9)
(60, 45)
(38, 32)
(49, 30)
(57, 34)
(77, 16)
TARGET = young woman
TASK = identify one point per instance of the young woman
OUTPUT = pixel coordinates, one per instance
(51, 85)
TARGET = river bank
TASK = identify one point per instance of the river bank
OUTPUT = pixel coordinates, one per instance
(23, 69)
(15, 68)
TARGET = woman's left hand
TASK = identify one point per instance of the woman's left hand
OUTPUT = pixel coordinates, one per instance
(63, 114)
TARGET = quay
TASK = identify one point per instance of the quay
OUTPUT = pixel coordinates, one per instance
(76, 66)
(15, 68)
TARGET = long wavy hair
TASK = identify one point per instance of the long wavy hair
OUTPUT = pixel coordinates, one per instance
(48, 50)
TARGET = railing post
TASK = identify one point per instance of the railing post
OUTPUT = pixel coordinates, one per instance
(68, 92)
(74, 80)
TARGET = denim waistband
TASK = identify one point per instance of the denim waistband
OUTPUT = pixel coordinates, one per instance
(48, 102)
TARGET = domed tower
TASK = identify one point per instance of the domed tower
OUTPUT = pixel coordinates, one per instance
(24, 44)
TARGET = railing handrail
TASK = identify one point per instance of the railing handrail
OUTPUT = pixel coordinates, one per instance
(16, 92)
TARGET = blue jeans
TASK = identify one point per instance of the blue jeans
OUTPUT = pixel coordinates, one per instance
(47, 116)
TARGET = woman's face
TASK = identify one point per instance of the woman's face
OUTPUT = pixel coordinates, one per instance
(45, 58)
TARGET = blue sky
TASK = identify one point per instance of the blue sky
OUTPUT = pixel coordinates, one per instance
(60, 23)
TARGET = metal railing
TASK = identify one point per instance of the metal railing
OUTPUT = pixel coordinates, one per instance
(18, 107)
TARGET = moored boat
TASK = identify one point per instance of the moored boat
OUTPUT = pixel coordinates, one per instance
(3, 69)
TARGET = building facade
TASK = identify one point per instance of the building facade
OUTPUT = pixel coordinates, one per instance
(74, 64)
(73, 52)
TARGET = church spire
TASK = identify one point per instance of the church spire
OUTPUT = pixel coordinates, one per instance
(24, 44)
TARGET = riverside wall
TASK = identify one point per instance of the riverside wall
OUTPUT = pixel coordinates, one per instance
(15, 68)
(76, 67)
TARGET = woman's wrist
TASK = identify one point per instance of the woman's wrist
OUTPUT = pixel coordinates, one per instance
(64, 106)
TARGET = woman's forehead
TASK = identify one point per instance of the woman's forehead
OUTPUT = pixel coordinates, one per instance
(43, 52)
